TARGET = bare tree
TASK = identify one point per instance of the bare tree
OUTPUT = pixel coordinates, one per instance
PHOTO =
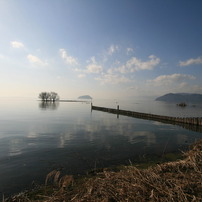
(54, 96)
(46, 96)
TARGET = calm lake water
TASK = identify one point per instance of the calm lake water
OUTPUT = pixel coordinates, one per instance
(36, 138)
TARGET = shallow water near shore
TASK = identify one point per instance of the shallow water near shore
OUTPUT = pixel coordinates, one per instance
(36, 138)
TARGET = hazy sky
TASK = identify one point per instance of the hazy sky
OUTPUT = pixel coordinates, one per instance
(104, 48)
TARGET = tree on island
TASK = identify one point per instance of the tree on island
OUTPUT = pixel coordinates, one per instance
(44, 96)
(54, 96)
(48, 97)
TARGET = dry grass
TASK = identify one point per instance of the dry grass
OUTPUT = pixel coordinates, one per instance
(172, 181)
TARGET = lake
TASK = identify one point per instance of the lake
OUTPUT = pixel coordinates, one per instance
(36, 138)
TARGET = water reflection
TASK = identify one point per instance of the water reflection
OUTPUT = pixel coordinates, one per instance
(15, 146)
(48, 105)
(73, 139)
(145, 136)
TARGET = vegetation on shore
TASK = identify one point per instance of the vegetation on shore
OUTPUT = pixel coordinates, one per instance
(172, 181)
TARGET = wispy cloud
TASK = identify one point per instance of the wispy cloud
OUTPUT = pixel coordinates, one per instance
(67, 58)
(81, 75)
(129, 50)
(17, 44)
(135, 64)
(36, 61)
(191, 61)
(170, 79)
(104, 77)
(92, 68)
(112, 79)
(115, 75)
(112, 49)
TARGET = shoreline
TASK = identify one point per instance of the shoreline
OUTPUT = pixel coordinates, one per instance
(49, 101)
(173, 181)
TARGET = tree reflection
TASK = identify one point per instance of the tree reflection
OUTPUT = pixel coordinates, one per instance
(48, 105)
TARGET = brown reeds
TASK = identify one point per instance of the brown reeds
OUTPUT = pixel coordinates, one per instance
(172, 181)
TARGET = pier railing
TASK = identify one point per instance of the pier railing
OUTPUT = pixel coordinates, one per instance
(186, 122)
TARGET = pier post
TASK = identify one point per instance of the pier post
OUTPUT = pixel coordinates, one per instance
(117, 111)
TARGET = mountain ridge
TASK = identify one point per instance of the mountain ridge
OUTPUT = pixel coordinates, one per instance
(181, 97)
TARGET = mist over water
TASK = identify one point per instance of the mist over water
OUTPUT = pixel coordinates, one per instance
(36, 138)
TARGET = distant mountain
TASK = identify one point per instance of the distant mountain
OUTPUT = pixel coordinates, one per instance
(85, 97)
(181, 97)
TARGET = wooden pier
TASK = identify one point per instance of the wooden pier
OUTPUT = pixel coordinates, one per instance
(192, 123)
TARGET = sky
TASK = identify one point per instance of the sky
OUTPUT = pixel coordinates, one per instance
(112, 49)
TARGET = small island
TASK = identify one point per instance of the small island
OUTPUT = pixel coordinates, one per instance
(85, 97)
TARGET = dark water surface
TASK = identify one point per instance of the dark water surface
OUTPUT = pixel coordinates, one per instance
(36, 138)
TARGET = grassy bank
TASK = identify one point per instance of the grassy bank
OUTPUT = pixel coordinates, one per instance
(172, 181)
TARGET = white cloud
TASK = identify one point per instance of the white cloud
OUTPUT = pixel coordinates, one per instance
(94, 68)
(117, 62)
(36, 61)
(111, 70)
(170, 79)
(112, 79)
(81, 75)
(92, 60)
(135, 64)
(183, 85)
(16, 44)
(68, 59)
(129, 50)
(191, 61)
(112, 49)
